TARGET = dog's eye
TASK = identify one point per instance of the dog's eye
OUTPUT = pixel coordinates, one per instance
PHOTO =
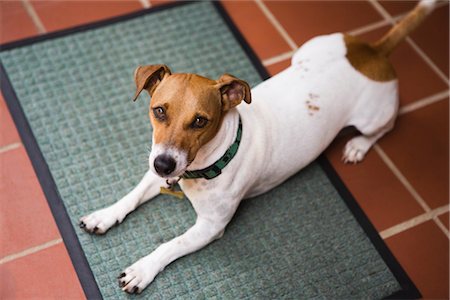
(159, 113)
(199, 122)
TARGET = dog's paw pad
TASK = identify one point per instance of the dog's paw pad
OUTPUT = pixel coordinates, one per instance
(355, 150)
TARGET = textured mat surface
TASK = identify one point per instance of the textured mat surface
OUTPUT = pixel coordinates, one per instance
(297, 241)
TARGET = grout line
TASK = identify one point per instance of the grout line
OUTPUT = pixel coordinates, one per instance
(382, 11)
(427, 60)
(418, 50)
(34, 16)
(376, 25)
(441, 226)
(433, 214)
(423, 102)
(9, 147)
(369, 27)
(29, 251)
(145, 3)
(401, 177)
(277, 58)
(408, 186)
(276, 24)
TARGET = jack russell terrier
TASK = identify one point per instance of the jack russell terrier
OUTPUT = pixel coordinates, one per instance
(221, 153)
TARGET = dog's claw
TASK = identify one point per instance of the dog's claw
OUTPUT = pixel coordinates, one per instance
(82, 224)
(121, 275)
(121, 283)
(95, 229)
(134, 290)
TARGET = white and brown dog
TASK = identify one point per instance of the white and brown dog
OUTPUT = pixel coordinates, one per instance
(223, 153)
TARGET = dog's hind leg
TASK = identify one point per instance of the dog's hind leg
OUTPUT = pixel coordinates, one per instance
(355, 150)
(372, 127)
(101, 220)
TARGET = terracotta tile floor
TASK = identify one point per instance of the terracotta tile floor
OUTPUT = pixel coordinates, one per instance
(402, 185)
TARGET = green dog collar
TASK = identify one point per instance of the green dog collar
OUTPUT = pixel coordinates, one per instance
(216, 169)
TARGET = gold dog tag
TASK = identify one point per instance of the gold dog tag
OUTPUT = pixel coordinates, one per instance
(178, 194)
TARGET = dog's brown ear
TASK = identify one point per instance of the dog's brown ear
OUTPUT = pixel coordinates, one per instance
(148, 77)
(233, 90)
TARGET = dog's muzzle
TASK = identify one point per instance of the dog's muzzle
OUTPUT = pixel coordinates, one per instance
(164, 164)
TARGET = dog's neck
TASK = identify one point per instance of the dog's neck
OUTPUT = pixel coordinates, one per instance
(215, 148)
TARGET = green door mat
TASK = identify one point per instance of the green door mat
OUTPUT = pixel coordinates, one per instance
(70, 96)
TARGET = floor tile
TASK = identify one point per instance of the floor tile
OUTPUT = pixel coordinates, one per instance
(8, 131)
(47, 274)
(257, 30)
(278, 67)
(25, 218)
(57, 15)
(13, 13)
(380, 194)
(306, 19)
(423, 253)
(419, 147)
(416, 79)
(435, 43)
(395, 8)
(444, 219)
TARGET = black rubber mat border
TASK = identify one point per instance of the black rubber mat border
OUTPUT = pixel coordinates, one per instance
(67, 231)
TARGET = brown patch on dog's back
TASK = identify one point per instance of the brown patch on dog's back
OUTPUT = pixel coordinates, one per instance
(368, 61)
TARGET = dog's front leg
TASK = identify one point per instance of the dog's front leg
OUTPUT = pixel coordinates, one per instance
(101, 220)
(135, 278)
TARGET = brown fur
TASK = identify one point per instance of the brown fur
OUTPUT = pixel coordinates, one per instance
(372, 60)
(368, 61)
(185, 97)
(401, 30)
(149, 77)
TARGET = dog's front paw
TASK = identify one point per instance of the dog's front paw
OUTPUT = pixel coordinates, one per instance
(100, 221)
(136, 277)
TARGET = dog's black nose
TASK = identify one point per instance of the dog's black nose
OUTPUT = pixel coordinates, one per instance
(164, 164)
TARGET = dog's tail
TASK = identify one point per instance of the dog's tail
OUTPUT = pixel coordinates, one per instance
(401, 30)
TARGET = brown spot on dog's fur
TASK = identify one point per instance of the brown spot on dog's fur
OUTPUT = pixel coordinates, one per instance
(313, 107)
(368, 61)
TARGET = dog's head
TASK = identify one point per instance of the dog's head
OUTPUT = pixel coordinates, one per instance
(186, 111)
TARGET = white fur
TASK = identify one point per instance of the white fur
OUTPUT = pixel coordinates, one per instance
(293, 118)
(428, 4)
(178, 155)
